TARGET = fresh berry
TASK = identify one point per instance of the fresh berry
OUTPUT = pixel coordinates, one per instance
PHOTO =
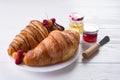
(79, 19)
(20, 53)
(45, 22)
(18, 61)
(15, 55)
(53, 20)
(18, 56)
(73, 18)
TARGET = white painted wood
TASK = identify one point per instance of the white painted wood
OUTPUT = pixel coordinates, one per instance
(15, 15)
(75, 71)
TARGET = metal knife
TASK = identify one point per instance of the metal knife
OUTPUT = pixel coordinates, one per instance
(91, 50)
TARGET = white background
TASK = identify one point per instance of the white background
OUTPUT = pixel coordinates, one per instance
(105, 65)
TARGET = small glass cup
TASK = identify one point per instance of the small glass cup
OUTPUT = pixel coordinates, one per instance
(76, 22)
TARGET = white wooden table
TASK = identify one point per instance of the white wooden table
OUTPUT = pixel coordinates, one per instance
(105, 65)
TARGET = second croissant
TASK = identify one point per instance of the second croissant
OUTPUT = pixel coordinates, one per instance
(32, 35)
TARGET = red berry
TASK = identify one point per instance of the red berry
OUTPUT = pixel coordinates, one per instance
(73, 18)
(45, 22)
(20, 53)
(53, 20)
(18, 61)
(79, 19)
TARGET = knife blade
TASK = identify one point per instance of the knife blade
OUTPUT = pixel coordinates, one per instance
(91, 50)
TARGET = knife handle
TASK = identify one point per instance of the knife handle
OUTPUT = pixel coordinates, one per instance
(90, 51)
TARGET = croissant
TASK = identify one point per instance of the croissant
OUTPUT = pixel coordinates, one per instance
(58, 47)
(31, 36)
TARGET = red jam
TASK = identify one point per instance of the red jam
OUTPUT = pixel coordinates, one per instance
(90, 37)
(90, 33)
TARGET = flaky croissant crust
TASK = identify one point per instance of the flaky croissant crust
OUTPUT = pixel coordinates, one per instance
(58, 47)
(31, 36)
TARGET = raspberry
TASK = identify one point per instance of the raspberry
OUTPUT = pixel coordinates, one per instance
(18, 61)
(20, 53)
(79, 19)
(53, 20)
(45, 22)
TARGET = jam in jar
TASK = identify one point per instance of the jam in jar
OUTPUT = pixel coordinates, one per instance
(90, 33)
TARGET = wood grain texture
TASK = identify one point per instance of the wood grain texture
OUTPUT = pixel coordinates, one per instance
(14, 15)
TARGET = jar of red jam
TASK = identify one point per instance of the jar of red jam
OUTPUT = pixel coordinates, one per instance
(90, 33)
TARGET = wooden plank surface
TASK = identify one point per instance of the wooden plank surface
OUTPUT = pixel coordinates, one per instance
(15, 15)
(75, 71)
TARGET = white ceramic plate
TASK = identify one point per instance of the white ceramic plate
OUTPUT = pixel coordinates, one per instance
(49, 68)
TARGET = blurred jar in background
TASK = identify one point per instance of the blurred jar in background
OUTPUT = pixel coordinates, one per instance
(76, 22)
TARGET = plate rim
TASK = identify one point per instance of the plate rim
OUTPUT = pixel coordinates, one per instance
(48, 68)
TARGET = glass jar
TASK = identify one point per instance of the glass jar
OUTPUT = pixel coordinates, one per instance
(76, 22)
(90, 33)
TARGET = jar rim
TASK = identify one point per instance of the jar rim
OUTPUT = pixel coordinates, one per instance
(76, 16)
(91, 28)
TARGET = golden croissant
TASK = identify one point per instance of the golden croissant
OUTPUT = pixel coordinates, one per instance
(58, 47)
(32, 35)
